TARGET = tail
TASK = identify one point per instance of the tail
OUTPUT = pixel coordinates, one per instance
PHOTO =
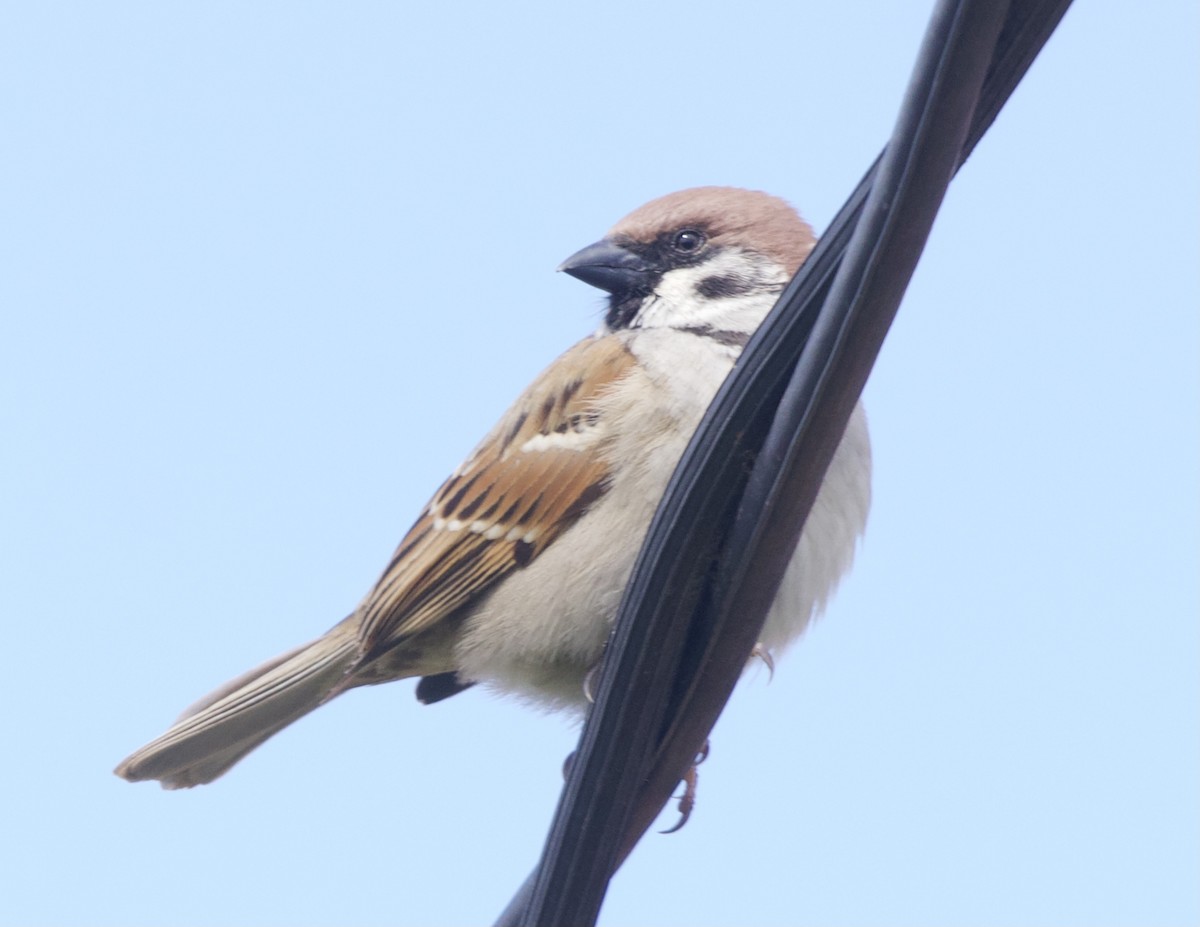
(221, 728)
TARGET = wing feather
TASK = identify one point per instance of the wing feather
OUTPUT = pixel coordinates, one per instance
(537, 471)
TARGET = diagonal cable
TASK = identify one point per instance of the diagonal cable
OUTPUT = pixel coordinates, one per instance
(686, 627)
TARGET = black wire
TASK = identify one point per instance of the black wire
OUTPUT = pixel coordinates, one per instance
(676, 654)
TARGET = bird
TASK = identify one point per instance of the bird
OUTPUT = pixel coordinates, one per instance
(512, 574)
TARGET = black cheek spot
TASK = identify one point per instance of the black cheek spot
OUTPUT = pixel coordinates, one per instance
(723, 286)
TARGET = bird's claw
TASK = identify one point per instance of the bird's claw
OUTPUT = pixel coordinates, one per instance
(589, 683)
(765, 655)
(687, 801)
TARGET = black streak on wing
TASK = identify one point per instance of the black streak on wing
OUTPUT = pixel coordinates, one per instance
(471, 507)
(512, 432)
(452, 503)
(522, 553)
(585, 500)
(408, 545)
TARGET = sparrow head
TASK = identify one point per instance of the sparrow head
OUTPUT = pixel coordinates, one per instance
(710, 259)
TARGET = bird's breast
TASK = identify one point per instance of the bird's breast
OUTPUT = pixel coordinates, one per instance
(542, 628)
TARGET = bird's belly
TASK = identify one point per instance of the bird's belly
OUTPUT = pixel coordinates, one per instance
(540, 632)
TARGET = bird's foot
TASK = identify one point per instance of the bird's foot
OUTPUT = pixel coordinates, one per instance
(687, 801)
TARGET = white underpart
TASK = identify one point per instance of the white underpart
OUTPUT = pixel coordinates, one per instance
(540, 631)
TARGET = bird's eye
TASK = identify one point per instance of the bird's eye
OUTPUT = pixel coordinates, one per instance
(687, 241)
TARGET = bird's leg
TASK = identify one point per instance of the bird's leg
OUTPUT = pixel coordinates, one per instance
(590, 680)
(688, 800)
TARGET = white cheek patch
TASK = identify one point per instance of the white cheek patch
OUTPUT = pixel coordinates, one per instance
(679, 300)
(675, 299)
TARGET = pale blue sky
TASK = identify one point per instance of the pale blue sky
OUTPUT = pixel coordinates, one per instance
(267, 271)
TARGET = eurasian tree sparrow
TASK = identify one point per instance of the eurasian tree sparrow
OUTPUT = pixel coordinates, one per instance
(513, 572)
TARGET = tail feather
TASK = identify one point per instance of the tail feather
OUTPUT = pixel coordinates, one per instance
(221, 728)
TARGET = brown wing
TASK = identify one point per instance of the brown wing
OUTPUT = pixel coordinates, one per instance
(533, 475)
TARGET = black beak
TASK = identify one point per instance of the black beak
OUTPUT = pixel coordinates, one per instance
(611, 267)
